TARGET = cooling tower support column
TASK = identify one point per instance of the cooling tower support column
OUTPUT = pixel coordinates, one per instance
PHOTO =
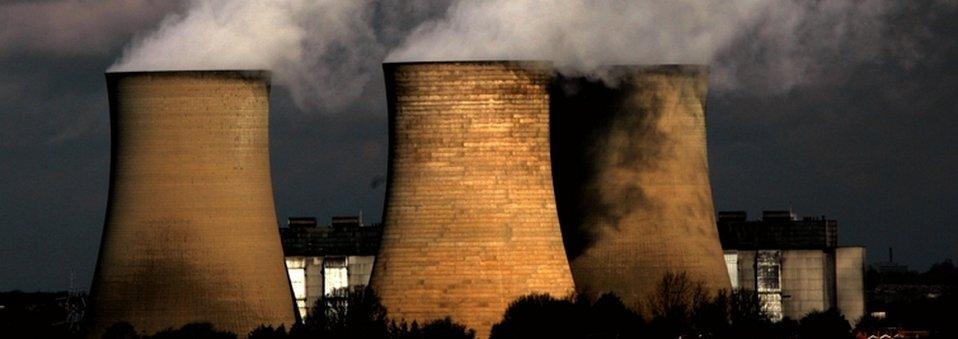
(632, 181)
(470, 219)
(190, 233)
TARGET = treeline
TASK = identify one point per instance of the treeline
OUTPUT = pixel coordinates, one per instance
(679, 308)
(355, 314)
(913, 301)
(942, 273)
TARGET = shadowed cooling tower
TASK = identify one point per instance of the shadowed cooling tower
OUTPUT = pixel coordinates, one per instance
(469, 222)
(632, 181)
(190, 233)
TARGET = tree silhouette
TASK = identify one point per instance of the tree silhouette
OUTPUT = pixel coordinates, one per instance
(121, 330)
(609, 318)
(829, 324)
(540, 316)
(436, 329)
(673, 305)
(193, 331)
(680, 308)
(268, 332)
(351, 314)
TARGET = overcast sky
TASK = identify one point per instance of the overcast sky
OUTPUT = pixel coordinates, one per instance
(871, 143)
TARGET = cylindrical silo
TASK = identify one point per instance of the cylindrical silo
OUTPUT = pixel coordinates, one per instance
(190, 232)
(469, 221)
(632, 181)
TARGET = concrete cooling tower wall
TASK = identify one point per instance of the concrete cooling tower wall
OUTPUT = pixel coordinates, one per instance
(470, 218)
(190, 233)
(632, 184)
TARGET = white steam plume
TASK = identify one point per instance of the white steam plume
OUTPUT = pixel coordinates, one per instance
(316, 49)
(327, 52)
(771, 44)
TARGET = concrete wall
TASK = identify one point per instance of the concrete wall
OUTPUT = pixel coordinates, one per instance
(360, 269)
(632, 181)
(814, 280)
(312, 287)
(806, 282)
(731, 263)
(850, 281)
(314, 283)
(190, 232)
(469, 220)
(746, 269)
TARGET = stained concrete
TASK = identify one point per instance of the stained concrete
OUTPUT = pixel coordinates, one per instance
(631, 178)
(807, 282)
(850, 282)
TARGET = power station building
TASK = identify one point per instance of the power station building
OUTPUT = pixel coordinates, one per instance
(190, 231)
(328, 260)
(795, 265)
(632, 180)
(470, 221)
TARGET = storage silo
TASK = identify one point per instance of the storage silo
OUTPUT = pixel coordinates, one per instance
(470, 222)
(632, 182)
(190, 232)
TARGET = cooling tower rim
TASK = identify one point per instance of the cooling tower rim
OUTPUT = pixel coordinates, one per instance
(250, 74)
(521, 62)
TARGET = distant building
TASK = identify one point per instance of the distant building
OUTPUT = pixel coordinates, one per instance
(795, 266)
(325, 260)
(891, 267)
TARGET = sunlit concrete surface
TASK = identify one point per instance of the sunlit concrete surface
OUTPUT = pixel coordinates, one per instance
(470, 220)
(190, 233)
(850, 282)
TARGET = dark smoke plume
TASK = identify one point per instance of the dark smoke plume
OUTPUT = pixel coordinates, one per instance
(597, 132)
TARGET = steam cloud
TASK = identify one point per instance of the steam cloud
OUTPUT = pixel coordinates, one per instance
(778, 41)
(318, 50)
(327, 52)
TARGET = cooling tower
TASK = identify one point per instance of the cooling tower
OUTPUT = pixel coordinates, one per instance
(632, 182)
(190, 233)
(469, 221)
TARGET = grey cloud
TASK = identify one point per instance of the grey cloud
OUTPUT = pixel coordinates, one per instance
(70, 27)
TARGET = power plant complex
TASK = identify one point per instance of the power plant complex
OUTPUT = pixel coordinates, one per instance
(190, 230)
(632, 183)
(470, 220)
(503, 180)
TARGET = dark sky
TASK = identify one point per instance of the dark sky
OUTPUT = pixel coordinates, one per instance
(872, 145)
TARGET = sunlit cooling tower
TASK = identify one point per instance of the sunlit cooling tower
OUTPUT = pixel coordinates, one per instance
(632, 181)
(190, 233)
(469, 222)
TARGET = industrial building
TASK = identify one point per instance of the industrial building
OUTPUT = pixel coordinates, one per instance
(469, 222)
(795, 265)
(190, 231)
(632, 181)
(327, 260)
